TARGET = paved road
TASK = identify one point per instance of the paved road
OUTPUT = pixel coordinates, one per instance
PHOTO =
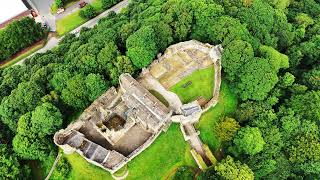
(52, 42)
(117, 8)
(43, 6)
(71, 9)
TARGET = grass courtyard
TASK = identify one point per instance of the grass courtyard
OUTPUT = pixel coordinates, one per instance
(202, 85)
(199, 83)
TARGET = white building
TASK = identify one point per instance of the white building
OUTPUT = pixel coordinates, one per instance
(12, 10)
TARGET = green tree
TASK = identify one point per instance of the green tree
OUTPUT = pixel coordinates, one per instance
(108, 3)
(184, 173)
(230, 169)
(59, 80)
(276, 59)
(204, 15)
(312, 78)
(88, 12)
(259, 18)
(142, 47)
(9, 164)
(21, 100)
(27, 143)
(234, 56)
(81, 90)
(46, 119)
(256, 79)
(18, 35)
(305, 148)
(306, 105)
(95, 86)
(226, 129)
(227, 29)
(58, 3)
(249, 140)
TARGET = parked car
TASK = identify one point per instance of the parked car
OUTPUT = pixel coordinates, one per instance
(60, 10)
(82, 4)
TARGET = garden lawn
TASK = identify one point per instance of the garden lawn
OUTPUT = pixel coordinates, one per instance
(202, 82)
(167, 152)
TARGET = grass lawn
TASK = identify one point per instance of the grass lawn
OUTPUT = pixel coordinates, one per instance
(69, 23)
(22, 56)
(74, 20)
(202, 85)
(165, 154)
(226, 105)
(81, 169)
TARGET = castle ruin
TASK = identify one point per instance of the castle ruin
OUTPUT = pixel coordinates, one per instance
(123, 122)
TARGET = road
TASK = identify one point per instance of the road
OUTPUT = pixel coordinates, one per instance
(43, 6)
(52, 42)
(71, 9)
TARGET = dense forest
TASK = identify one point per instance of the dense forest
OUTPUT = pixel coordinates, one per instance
(19, 35)
(270, 59)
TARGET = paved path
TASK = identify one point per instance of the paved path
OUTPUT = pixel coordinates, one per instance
(54, 165)
(52, 42)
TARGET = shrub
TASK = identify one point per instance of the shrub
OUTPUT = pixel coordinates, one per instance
(19, 35)
(183, 173)
(58, 3)
(108, 3)
(88, 12)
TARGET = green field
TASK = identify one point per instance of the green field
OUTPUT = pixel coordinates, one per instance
(83, 170)
(165, 154)
(202, 82)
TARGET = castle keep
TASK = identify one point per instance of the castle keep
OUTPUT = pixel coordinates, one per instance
(117, 126)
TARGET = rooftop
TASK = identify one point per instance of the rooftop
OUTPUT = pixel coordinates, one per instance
(10, 9)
